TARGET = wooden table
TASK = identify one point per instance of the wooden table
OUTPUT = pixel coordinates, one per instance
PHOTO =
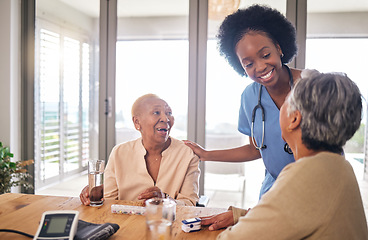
(23, 212)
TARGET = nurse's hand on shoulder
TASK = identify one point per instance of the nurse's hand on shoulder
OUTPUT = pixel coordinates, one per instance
(197, 149)
(219, 221)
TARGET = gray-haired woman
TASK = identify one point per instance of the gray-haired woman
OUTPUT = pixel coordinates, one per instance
(318, 196)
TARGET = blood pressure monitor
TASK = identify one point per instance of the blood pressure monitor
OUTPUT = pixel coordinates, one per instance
(60, 224)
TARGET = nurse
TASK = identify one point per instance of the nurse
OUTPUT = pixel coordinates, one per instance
(258, 42)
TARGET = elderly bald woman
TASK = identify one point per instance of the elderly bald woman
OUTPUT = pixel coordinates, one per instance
(318, 196)
(154, 165)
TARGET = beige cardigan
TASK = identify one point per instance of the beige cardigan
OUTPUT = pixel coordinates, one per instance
(314, 198)
(126, 174)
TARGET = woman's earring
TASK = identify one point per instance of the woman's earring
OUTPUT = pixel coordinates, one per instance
(282, 55)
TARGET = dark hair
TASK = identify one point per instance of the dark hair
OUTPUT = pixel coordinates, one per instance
(256, 18)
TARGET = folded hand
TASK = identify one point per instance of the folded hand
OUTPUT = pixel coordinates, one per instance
(151, 193)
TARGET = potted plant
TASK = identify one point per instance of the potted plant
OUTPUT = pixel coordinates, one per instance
(12, 173)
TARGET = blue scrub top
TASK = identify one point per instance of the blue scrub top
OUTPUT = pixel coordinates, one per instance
(274, 156)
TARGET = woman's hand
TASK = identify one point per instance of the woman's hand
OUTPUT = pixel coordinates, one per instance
(84, 196)
(219, 221)
(151, 193)
(197, 149)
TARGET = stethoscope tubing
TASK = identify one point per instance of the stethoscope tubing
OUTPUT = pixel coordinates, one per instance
(259, 105)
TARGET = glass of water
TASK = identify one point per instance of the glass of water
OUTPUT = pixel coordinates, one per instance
(160, 214)
(95, 181)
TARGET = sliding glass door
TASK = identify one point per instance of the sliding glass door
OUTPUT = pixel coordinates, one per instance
(151, 57)
(340, 44)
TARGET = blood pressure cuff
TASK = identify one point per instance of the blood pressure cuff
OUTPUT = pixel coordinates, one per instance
(92, 231)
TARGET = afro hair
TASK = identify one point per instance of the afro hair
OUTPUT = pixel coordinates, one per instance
(256, 18)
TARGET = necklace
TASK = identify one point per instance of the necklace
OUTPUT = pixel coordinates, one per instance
(154, 159)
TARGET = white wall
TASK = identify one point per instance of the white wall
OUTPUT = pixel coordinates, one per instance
(337, 24)
(152, 27)
(10, 75)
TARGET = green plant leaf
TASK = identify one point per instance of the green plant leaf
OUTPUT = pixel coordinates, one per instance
(11, 173)
(13, 165)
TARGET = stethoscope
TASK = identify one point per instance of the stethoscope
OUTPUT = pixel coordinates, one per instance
(259, 106)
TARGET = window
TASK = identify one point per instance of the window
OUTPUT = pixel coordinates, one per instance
(151, 57)
(61, 103)
(326, 55)
(163, 72)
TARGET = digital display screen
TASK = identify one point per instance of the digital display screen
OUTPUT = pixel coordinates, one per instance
(57, 224)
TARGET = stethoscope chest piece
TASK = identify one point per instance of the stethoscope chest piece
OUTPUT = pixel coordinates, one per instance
(287, 149)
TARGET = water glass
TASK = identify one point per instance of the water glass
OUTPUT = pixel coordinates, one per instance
(95, 181)
(160, 214)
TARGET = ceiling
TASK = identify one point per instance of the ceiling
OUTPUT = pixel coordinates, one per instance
(139, 8)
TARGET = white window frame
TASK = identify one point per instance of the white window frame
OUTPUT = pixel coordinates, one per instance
(81, 154)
